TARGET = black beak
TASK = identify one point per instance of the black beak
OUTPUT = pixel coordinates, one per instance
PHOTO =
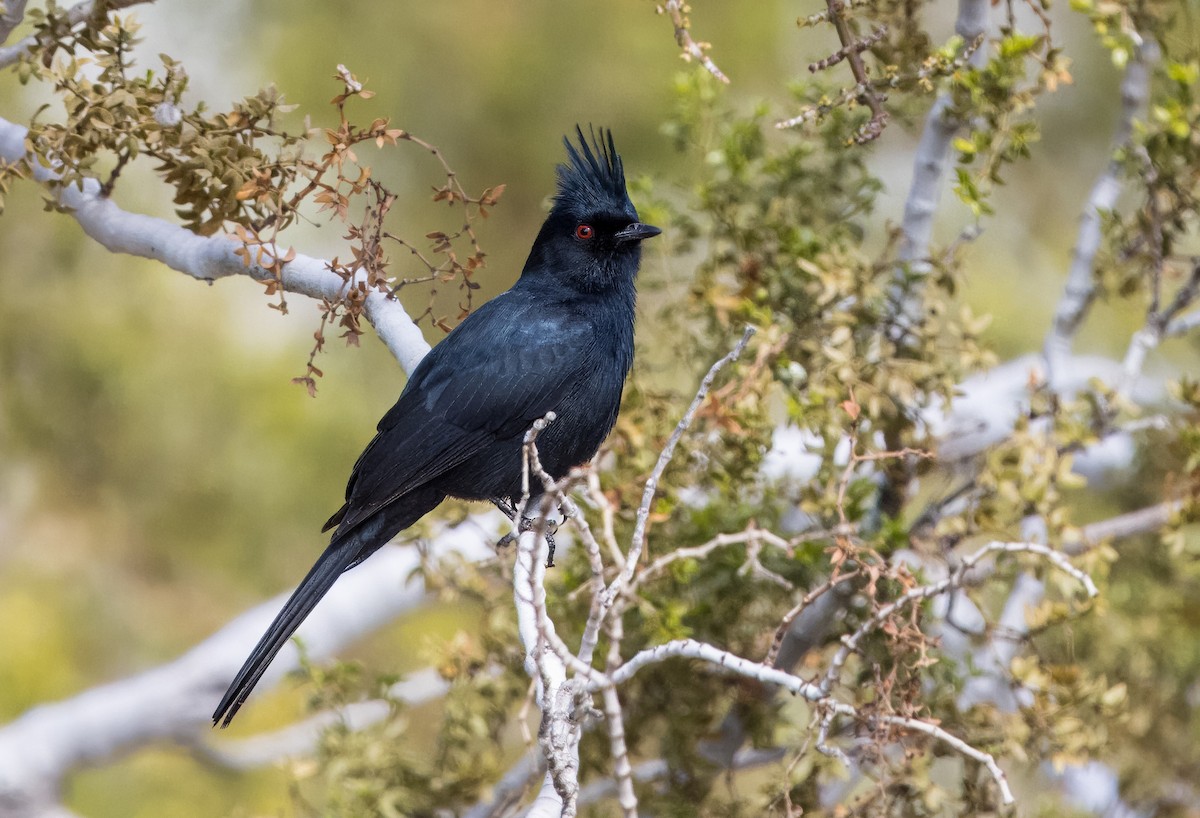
(636, 232)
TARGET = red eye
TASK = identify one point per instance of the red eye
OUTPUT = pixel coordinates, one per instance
(584, 231)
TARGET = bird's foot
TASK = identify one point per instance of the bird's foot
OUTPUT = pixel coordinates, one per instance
(530, 524)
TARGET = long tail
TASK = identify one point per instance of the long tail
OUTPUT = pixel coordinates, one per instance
(339, 556)
(346, 549)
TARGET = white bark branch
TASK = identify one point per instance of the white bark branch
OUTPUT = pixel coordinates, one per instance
(989, 404)
(690, 648)
(14, 13)
(509, 790)
(175, 701)
(1080, 288)
(657, 769)
(638, 542)
(558, 734)
(1183, 324)
(1141, 521)
(206, 258)
(74, 16)
(929, 166)
(301, 739)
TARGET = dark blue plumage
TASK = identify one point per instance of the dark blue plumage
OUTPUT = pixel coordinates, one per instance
(561, 340)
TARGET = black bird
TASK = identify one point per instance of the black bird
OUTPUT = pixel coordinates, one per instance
(561, 340)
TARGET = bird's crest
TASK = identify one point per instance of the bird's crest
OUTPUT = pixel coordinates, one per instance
(594, 179)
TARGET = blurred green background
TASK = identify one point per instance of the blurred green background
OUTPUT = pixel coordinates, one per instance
(159, 473)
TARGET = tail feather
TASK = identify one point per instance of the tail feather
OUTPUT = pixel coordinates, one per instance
(337, 558)
(336, 518)
(347, 549)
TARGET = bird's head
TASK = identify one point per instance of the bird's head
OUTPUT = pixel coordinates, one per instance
(592, 238)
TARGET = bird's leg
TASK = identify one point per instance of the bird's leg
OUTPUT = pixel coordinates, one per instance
(506, 507)
(551, 529)
(527, 524)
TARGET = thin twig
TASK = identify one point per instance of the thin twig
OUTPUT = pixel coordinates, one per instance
(638, 541)
(932, 730)
(788, 618)
(692, 50)
(923, 75)
(607, 515)
(954, 580)
(855, 47)
(689, 648)
(752, 534)
(851, 51)
(1157, 325)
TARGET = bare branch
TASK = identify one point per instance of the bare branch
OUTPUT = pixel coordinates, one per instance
(545, 666)
(752, 534)
(563, 701)
(612, 705)
(591, 628)
(1159, 324)
(691, 649)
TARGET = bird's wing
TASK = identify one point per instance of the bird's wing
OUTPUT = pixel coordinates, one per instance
(499, 371)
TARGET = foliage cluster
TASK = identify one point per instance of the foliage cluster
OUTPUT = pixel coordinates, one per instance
(239, 171)
(784, 232)
(782, 229)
